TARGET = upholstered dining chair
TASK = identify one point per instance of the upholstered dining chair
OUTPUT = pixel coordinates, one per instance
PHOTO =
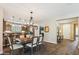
(14, 46)
(33, 44)
(40, 41)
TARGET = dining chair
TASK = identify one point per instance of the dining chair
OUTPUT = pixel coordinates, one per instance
(14, 46)
(33, 43)
(40, 41)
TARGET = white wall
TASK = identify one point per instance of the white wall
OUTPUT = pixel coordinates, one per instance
(51, 36)
(1, 31)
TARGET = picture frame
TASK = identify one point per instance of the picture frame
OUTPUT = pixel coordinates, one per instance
(46, 29)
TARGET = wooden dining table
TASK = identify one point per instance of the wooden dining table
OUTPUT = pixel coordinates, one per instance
(25, 40)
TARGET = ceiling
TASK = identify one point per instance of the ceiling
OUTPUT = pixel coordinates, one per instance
(41, 11)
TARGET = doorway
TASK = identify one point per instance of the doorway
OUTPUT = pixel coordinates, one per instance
(68, 28)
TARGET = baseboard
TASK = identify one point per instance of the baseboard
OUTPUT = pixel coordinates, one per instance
(51, 42)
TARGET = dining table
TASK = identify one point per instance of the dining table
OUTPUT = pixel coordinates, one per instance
(24, 41)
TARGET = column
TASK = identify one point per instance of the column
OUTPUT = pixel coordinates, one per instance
(1, 31)
(78, 32)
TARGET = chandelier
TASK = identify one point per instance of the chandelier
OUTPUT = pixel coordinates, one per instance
(31, 18)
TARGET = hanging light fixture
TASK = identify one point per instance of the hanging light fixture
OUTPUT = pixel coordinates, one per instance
(31, 18)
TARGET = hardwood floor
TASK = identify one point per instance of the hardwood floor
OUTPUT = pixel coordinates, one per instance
(66, 47)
